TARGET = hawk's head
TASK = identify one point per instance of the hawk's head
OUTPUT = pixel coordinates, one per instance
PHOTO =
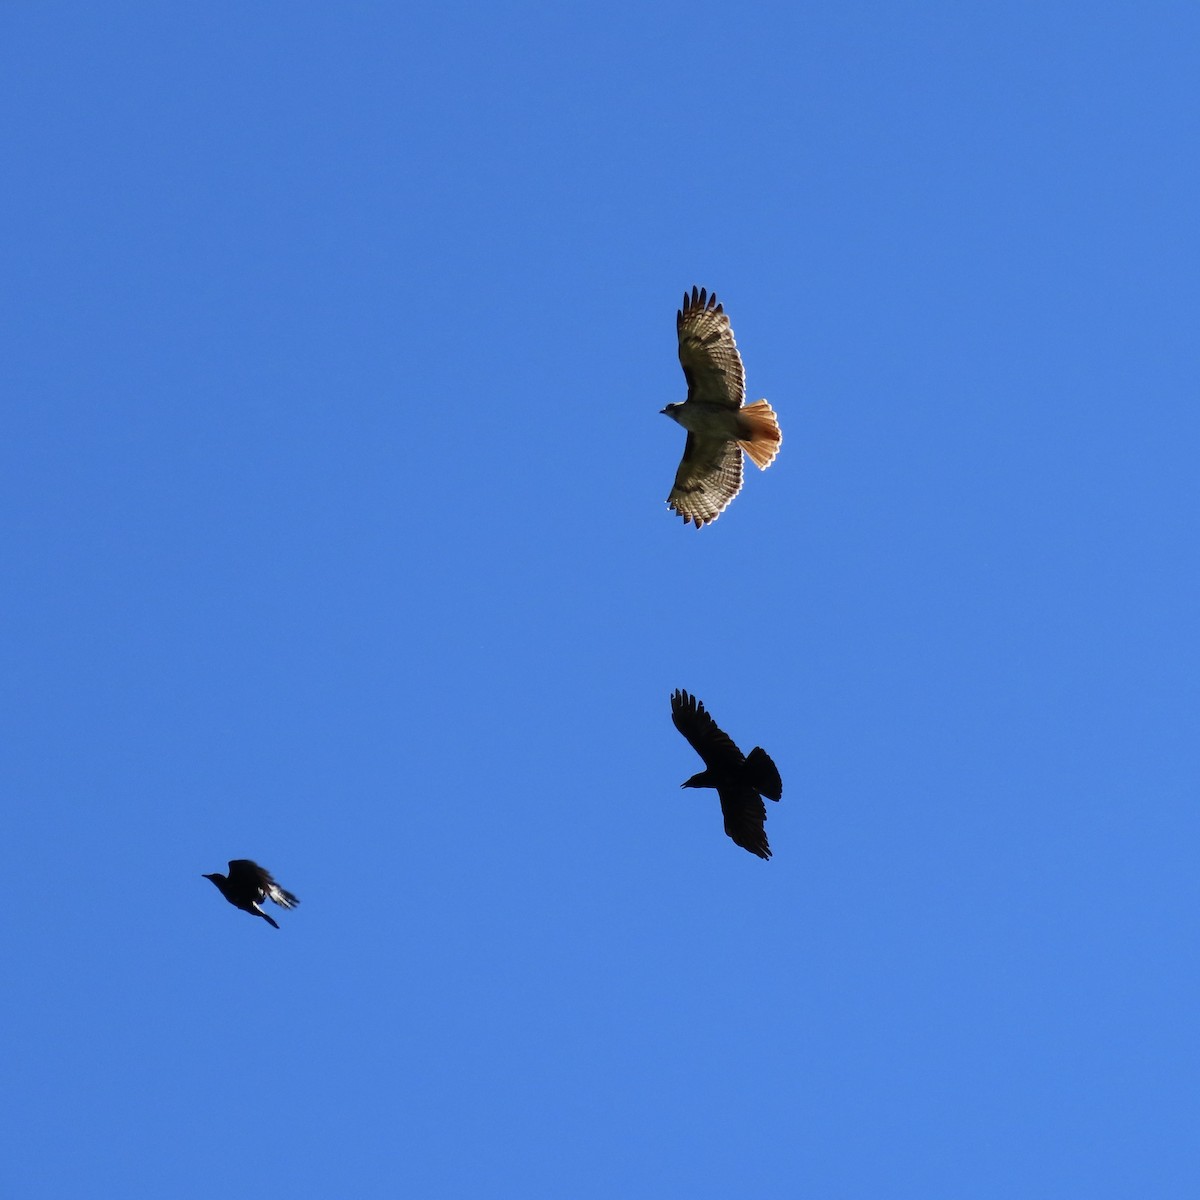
(672, 411)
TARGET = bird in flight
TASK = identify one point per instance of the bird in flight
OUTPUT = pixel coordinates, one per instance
(247, 885)
(719, 425)
(741, 781)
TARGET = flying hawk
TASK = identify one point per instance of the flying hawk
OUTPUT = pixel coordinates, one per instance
(719, 426)
(247, 885)
(741, 781)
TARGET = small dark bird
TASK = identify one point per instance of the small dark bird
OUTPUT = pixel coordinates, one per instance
(741, 781)
(247, 885)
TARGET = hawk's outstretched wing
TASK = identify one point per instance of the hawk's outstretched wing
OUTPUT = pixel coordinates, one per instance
(707, 352)
(709, 476)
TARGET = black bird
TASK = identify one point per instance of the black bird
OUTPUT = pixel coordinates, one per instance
(247, 885)
(741, 781)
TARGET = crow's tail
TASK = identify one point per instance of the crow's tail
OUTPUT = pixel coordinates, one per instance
(763, 773)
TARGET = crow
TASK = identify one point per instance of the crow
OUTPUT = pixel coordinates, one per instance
(741, 781)
(247, 885)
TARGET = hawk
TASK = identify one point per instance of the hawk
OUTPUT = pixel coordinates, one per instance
(247, 885)
(719, 426)
(741, 781)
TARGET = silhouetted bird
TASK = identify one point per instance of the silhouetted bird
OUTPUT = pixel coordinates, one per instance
(247, 885)
(741, 781)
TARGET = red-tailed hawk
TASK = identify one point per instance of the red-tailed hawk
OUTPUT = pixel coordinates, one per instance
(741, 781)
(247, 885)
(719, 426)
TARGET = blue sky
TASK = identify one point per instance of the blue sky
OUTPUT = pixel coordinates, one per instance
(334, 531)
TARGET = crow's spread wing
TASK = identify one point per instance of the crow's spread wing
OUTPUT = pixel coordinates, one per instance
(745, 814)
(705, 737)
(248, 876)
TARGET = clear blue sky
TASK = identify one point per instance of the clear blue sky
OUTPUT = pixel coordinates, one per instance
(334, 536)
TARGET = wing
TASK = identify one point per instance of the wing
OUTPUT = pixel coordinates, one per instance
(243, 873)
(703, 734)
(707, 352)
(709, 476)
(250, 878)
(257, 880)
(745, 815)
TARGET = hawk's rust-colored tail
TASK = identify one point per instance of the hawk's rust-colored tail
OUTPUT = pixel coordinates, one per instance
(759, 421)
